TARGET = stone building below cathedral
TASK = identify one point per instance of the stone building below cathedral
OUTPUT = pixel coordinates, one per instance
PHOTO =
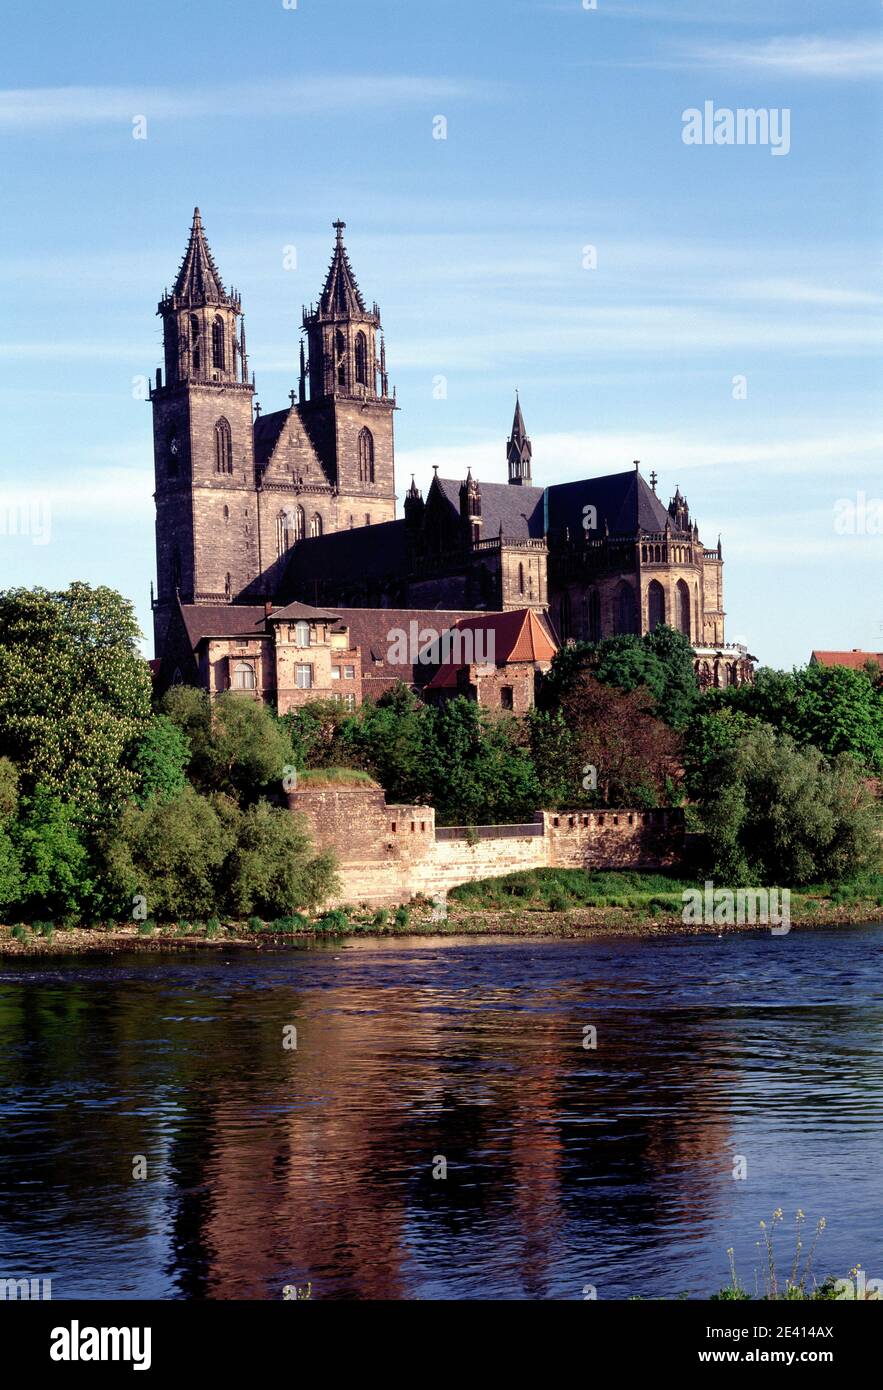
(298, 506)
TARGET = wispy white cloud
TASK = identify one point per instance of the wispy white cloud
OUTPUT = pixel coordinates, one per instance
(854, 58)
(30, 107)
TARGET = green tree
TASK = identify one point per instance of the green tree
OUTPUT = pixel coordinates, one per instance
(316, 730)
(10, 866)
(171, 852)
(54, 863)
(391, 740)
(775, 813)
(74, 694)
(272, 869)
(841, 711)
(159, 760)
(661, 662)
(556, 758)
(237, 746)
(481, 768)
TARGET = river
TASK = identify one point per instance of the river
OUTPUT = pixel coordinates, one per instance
(404, 1117)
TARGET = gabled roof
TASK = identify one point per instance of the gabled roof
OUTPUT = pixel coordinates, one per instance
(267, 429)
(199, 281)
(341, 297)
(856, 660)
(516, 636)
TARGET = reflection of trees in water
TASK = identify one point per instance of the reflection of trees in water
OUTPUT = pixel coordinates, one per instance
(271, 1166)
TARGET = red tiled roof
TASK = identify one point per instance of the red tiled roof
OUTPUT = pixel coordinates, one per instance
(856, 660)
(517, 636)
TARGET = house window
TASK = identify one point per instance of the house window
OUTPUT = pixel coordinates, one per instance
(506, 697)
(244, 676)
(302, 634)
(303, 677)
(349, 673)
(335, 673)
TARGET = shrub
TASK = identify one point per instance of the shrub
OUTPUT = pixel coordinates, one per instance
(402, 917)
(336, 920)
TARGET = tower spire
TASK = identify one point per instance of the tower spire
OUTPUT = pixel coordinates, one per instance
(198, 281)
(342, 334)
(518, 449)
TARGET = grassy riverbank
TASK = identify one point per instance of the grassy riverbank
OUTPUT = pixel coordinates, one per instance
(537, 903)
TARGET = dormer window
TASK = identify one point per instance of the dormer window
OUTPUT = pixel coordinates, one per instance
(302, 634)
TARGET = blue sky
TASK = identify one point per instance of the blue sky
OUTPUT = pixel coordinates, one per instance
(563, 131)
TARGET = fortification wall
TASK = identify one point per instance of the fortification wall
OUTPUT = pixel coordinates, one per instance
(389, 854)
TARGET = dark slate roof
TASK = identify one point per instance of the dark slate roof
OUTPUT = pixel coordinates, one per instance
(363, 552)
(518, 510)
(203, 620)
(623, 501)
(199, 281)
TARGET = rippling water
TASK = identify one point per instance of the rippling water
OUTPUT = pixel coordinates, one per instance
(566, 1166)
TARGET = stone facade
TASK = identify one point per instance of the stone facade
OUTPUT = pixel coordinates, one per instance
(300, 504)
(389, 854)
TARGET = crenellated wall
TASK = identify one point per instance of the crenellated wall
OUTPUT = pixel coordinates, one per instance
(388, 854)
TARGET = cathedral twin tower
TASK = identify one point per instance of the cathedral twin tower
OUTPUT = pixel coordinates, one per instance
(234, 488)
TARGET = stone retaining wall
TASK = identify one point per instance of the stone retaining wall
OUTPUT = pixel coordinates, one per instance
(388, 854)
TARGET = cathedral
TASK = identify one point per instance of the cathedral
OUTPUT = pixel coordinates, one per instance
(294, 512)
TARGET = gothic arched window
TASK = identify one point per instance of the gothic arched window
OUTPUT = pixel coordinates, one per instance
(683, 608)
(626, 609)
(361, 359)
(366, 457)
(594, 616)
(218, 343)
(299, 524)
(223, 447)
(316, 525)
(174, 456)
(195, 350)
(655, 605)
(340, 354)
(176, 569)
(284, 531)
